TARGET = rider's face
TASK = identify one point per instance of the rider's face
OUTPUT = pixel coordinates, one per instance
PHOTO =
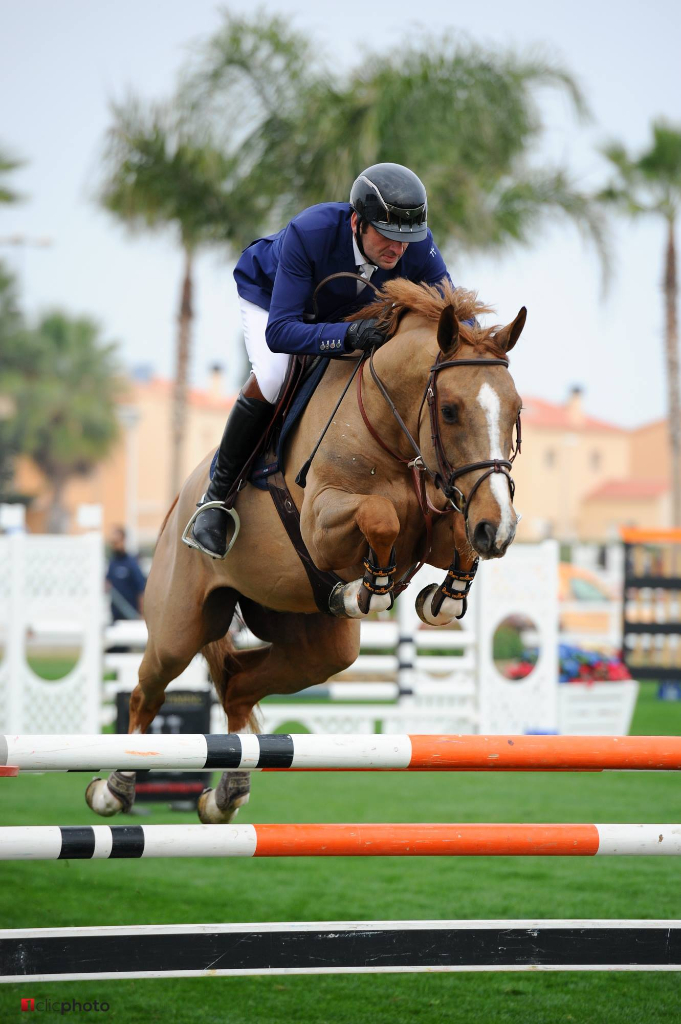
(381, 251)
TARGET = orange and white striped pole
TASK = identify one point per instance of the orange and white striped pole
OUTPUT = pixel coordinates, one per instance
(341, 753)
(55, 842)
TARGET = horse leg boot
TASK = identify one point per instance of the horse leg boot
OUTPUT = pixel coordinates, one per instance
(117, 793)
(438, 606)
(441, 605)
(244, 429)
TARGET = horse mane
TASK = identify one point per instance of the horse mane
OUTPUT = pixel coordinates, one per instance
(399, 297)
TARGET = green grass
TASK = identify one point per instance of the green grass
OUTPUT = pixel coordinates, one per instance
(178, 891)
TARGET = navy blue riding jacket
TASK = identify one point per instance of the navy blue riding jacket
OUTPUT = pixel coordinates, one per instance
(280, 272)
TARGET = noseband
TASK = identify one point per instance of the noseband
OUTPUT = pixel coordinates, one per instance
(446, 476)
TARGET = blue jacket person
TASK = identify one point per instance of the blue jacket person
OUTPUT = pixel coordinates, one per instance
(382, 233)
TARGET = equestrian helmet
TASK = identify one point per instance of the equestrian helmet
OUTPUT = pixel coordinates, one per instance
(393, 200)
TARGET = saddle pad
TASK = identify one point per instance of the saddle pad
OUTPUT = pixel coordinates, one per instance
(261, 470)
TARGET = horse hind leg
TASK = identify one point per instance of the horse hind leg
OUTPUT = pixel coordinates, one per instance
(221, 805)
(117, 793)
(303, 650)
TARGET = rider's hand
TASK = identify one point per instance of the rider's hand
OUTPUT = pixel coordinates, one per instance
(364, 335)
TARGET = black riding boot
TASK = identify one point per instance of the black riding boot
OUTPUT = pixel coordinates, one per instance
(244, 428)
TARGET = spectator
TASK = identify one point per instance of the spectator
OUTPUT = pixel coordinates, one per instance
(125, 580)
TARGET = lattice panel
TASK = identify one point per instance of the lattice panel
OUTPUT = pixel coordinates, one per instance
(55, 707)
(524, 582)
(4, 572)
(53, 592)
(58, 578)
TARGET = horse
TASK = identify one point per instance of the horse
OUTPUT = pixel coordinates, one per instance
(414, 468)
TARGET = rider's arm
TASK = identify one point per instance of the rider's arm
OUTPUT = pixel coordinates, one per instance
(293, 286)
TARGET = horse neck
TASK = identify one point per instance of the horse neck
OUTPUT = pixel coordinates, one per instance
(403, 365)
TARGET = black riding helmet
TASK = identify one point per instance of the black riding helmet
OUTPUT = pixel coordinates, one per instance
(393, 200)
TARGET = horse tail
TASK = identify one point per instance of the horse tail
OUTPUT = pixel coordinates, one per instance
(221, 664)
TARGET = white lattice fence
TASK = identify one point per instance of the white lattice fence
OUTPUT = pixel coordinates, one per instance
(51, 588)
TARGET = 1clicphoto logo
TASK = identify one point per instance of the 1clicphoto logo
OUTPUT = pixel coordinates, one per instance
(63, 1006)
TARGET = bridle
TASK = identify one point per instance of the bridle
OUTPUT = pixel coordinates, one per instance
(445, 477)
(446, 472)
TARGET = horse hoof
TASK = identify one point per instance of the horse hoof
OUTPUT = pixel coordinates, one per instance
(211, 814)
(101, 800)
(424, 608)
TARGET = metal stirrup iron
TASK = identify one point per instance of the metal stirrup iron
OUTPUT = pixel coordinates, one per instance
(190, 540)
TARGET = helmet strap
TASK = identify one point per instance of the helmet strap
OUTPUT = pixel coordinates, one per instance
(358, 236)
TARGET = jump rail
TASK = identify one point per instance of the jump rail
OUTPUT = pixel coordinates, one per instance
(93, 842)
(342, 753)
(346, 947)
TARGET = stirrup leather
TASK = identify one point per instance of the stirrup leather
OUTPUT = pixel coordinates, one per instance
(190, 540)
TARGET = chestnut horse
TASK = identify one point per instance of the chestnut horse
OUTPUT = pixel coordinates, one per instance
(429, 431)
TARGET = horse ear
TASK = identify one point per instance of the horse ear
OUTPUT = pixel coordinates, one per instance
(447, 330)
(508, 335)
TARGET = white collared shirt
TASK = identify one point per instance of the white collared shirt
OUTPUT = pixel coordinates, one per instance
(363, 268)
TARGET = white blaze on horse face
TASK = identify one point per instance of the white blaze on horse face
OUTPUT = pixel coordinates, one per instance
(489, 400)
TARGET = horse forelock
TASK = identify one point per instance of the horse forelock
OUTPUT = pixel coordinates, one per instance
(399, 297)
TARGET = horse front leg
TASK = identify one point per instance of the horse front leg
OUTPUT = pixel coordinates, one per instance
(441, 605)
(340, 526)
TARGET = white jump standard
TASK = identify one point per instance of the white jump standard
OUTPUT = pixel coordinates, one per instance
(381, 752)
(346, 947)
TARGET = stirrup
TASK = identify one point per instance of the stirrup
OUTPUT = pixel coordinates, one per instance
(190, 540)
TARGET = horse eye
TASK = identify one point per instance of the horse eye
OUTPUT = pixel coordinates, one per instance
(450, 414)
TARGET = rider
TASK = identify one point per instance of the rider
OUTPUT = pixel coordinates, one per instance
(381, 234)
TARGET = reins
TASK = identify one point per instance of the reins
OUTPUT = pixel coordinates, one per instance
(341, 273)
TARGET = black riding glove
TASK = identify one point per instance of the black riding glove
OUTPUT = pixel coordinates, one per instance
(364, 335)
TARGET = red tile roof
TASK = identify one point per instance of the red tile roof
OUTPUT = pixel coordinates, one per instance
(539, 413)
(629, 488)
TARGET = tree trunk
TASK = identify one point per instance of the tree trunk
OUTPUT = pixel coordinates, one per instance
(184, 337)
(57, 517)
(670, 285)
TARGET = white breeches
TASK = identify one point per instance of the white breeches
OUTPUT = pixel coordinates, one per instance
(269, 367)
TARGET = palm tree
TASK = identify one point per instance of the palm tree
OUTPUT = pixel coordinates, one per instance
(651, 184)
(10, 330)
(246, 81)
(13, 353)
(163, 173)
(67, 402)
(464, 117)
(7, 165)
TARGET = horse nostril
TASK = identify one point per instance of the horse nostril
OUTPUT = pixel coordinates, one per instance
(484, 537)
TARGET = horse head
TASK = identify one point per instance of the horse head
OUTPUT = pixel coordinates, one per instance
(474, 411)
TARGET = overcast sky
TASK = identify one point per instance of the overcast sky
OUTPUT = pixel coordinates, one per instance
(61, 62)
